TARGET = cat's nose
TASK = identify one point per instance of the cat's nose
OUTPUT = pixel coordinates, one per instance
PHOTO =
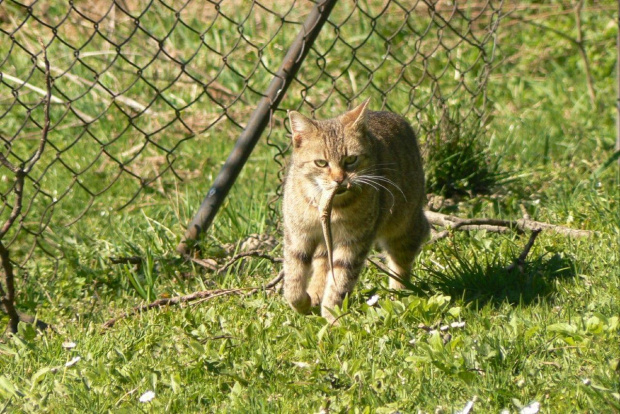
(338, 176)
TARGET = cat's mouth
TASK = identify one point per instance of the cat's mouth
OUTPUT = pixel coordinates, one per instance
(344, 189)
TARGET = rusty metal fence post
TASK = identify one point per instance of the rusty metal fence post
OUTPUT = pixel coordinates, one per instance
(257, 123)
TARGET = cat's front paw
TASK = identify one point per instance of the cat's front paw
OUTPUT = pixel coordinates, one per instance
(300, 303)
(315, 299)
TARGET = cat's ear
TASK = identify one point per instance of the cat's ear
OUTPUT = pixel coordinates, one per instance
(356, 117)
(301, 127)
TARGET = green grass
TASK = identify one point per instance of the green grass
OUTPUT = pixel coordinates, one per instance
(548, 334)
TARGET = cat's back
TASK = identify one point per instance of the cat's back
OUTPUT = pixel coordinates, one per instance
(399, 160)
(395, 137)
(392, 130)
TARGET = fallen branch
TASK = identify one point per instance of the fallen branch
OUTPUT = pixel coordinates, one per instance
(452, 223)
(206, 263)
(200, 296)
(171, 301)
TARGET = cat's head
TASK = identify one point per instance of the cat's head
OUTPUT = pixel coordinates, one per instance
(334, 152)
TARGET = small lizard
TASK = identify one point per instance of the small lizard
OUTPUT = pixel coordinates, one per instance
(325, 211)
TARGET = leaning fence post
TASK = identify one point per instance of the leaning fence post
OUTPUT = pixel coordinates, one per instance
(257, 123)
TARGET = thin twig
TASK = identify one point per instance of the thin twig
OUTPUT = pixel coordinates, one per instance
(46, 121)
(125, 395)
(250, 253)
(519, 262)
(18, 189)
(169, 301)
(273, 282)
(337, 318)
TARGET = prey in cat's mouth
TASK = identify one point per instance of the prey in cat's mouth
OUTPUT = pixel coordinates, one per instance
(342, 189)
(344, 193)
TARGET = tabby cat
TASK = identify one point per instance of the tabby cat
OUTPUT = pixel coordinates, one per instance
(374, 159)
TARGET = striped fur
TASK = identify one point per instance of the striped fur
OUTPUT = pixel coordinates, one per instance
(375, 159)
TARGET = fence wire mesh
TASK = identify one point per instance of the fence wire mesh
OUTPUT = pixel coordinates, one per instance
(137, 87)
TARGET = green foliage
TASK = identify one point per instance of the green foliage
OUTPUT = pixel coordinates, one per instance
(457, 163)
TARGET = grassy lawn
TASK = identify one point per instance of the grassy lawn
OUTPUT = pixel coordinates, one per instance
(546, 335)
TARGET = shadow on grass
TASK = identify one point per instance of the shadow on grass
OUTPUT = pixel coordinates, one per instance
(494, 283)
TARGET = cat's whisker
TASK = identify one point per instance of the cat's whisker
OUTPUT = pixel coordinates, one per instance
(375, 184)
(362, 181)
(376, 168)
(367, 180)
(388, 181)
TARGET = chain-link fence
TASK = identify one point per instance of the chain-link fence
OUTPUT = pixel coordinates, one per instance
(133, 87)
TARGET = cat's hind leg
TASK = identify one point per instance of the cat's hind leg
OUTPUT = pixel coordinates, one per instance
(402, 249)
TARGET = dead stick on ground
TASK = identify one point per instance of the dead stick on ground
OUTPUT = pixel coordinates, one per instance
(250, 253)
(196, 296)
(206, 263)
(496, 225)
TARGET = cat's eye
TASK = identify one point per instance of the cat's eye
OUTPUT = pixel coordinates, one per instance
(321, 163)
(350, 160)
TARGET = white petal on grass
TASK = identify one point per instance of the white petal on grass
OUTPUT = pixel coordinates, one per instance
(505, 411)
(373, 300)
(533, 408)
(586, 381)
(301, 364)
(147, 397)
(457, 324)
(444, 328)
(69, 345)
(73, 361)
(468, 407)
